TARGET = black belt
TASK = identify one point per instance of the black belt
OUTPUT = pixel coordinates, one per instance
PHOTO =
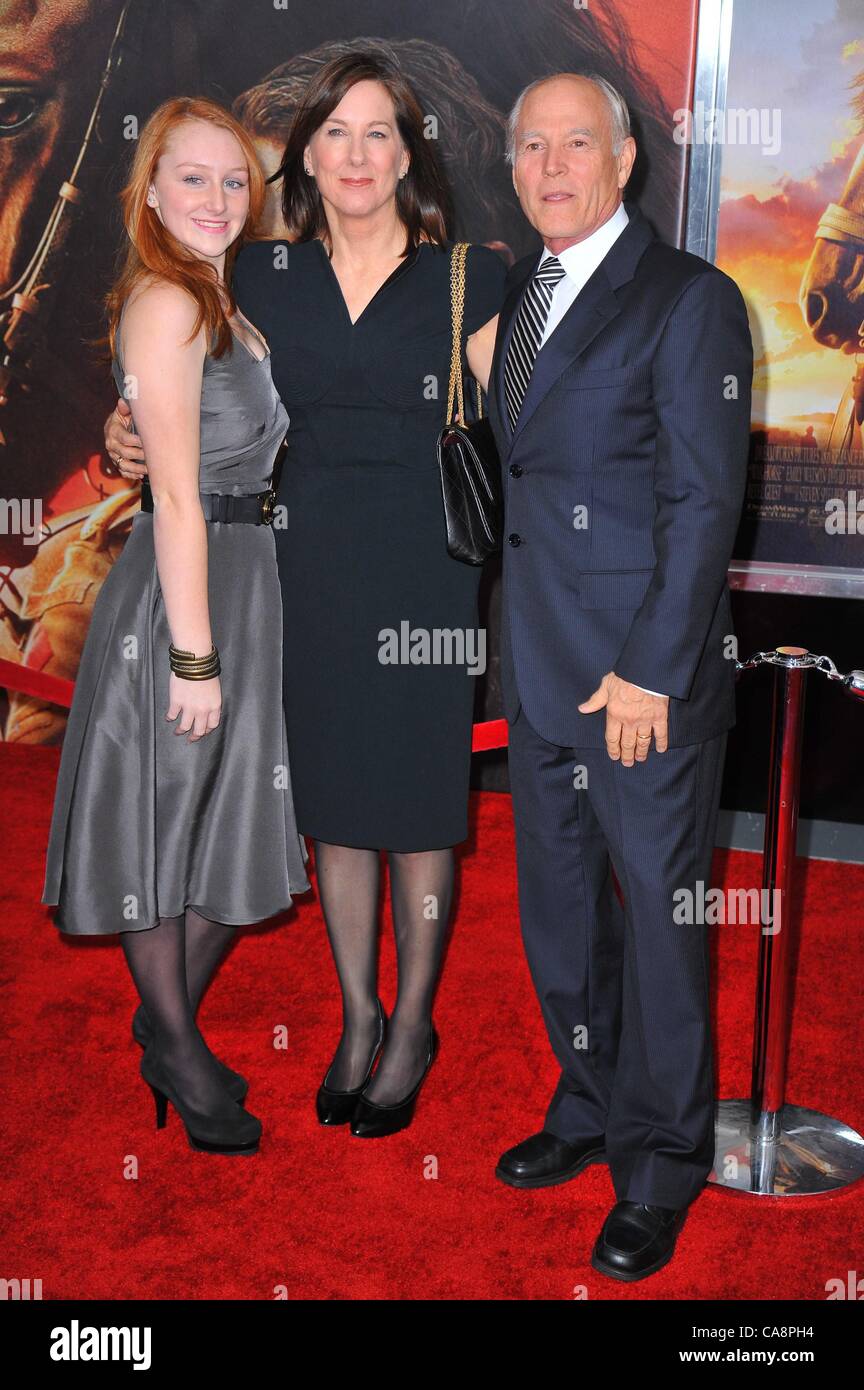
(257, 508)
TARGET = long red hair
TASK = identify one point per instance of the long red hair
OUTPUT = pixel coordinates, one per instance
(152, 249)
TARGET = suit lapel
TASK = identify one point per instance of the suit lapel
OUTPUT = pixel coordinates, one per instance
(593, 308)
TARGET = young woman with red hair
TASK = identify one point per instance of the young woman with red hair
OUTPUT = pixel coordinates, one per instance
(173, 818)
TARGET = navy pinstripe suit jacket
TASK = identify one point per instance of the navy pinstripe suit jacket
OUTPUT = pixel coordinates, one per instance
(624, 481)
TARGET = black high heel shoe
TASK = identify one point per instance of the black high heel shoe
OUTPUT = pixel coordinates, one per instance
(373, 1121)
(216, 1134)
(236, 1085)
(337, 1107)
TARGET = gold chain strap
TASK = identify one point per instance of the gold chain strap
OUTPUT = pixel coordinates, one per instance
(457, 310)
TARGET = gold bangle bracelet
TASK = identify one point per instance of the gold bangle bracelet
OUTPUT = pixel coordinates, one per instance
(196, 675)
(191, 667)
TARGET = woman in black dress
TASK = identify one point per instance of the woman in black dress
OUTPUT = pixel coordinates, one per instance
(356, 309)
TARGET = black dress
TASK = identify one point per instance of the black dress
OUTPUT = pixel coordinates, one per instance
(379, 750)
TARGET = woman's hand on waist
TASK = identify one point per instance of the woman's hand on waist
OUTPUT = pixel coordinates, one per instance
(124, 447)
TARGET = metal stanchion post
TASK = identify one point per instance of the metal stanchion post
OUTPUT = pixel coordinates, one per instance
(770, 1030)
(763, 1145)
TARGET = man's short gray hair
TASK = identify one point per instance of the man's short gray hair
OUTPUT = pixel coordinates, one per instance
(618, 111)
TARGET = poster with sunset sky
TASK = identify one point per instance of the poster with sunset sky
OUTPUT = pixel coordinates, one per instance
(800, 66)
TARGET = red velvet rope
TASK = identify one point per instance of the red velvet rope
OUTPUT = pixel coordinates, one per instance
(28, 681)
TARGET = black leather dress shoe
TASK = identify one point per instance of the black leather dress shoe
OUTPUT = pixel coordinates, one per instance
(637, 1240)
(544, 1160)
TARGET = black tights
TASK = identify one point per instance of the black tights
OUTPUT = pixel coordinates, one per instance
(171, 965)
(421, 892)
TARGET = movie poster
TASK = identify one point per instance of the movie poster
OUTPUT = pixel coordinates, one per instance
(78, 79)
(791, 233)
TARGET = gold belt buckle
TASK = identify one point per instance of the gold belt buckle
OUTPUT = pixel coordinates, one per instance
(268, 506)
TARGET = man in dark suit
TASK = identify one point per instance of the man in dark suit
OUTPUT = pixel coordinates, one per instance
(620, 400)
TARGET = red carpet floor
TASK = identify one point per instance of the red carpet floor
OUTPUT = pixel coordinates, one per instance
(98, 1204)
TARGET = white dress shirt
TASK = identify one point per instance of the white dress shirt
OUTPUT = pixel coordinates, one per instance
(580, 261)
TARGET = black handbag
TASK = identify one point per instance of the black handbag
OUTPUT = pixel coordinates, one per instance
(467, 453)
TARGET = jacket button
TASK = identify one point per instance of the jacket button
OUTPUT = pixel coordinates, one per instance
(515, 470)
(514, 538)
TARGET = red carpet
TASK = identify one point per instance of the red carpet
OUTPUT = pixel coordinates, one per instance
(325, 1216)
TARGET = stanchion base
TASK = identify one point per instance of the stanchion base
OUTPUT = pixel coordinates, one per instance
(813, 1153)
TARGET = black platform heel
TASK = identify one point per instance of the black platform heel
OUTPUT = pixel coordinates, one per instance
(236, 1085)
(337, 1107)
(217, 1134)
(373, 1121)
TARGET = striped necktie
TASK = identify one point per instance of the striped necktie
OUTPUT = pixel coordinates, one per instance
(527, 332)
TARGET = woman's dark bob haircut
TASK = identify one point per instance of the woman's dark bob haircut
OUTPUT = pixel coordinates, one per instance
(422, 199)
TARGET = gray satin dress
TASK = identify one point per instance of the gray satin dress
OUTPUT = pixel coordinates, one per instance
(146, 823)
